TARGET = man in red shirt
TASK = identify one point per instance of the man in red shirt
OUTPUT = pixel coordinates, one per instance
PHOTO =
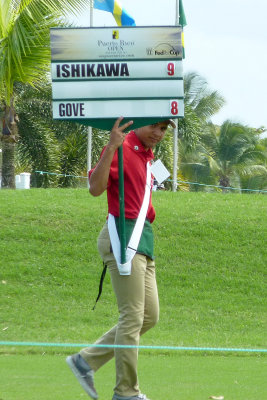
(136, 291)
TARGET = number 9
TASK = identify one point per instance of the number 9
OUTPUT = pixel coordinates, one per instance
(171, 68)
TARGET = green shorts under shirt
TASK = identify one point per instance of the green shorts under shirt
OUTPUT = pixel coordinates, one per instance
(146, 244)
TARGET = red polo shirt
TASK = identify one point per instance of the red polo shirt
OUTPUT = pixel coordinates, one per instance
(135, 158)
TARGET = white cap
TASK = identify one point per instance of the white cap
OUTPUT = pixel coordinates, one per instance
(171, 122)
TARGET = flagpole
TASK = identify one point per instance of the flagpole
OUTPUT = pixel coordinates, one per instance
(177, 13)
(175, 131)
(89, 130)
(91, 12)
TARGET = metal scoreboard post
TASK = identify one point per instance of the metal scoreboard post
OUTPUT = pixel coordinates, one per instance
(99, 74)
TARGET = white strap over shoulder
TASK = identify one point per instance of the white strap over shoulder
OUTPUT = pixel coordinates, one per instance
(125, 269)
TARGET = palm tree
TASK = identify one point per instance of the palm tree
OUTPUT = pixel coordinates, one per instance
(49, 145)
(24, 57)
(201, 103)
(255, 176)
(194, 166)
(37, 147)
(232, 151)
(226, 154)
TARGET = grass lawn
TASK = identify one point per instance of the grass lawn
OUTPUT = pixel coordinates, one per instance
(211, 268)
(171, 377)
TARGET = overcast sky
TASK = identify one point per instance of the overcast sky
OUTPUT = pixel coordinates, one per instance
(225, 42)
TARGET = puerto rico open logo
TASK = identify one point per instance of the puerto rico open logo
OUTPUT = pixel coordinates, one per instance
(115, 35)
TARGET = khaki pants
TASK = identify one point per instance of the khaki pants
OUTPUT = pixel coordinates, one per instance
(137, 299)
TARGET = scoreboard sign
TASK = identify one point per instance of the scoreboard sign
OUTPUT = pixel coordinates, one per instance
(99, 74)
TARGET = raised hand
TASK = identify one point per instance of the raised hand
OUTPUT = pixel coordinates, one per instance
(117, 134)
(99, 177)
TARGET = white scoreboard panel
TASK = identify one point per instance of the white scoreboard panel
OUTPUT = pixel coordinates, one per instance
(116, 43)
(117, 70)
(117, 89)
(99, 74)
(130, 109)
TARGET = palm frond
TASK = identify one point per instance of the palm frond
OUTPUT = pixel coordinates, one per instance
(202, 100)
(209, 104)
(25, 29)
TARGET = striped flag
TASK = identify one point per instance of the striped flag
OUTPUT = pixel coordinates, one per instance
(114, 7)
(182, 21)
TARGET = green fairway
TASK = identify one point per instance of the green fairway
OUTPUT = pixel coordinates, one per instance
(176, 377)
(211, 270)
(211, 262)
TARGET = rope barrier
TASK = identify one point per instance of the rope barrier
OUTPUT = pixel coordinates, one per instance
(168, 180)
(65, 175)
(220, 187)
(114, 346)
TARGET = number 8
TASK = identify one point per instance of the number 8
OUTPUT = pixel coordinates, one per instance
(174, 107)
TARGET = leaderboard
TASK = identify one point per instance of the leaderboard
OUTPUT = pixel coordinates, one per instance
(99, 74)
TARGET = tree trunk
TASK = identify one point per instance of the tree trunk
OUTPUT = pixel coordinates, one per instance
(8, 164)
(224, 181)
(9, 138)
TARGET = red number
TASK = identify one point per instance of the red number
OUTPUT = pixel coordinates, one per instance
(174, 107)
(171, 69)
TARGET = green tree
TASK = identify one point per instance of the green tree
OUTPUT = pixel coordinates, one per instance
(194, 166)
(49, 145)
(232, 151)
(24, 57)
(225, 155)
(37, 147)
(201, 103)
(255, 177)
